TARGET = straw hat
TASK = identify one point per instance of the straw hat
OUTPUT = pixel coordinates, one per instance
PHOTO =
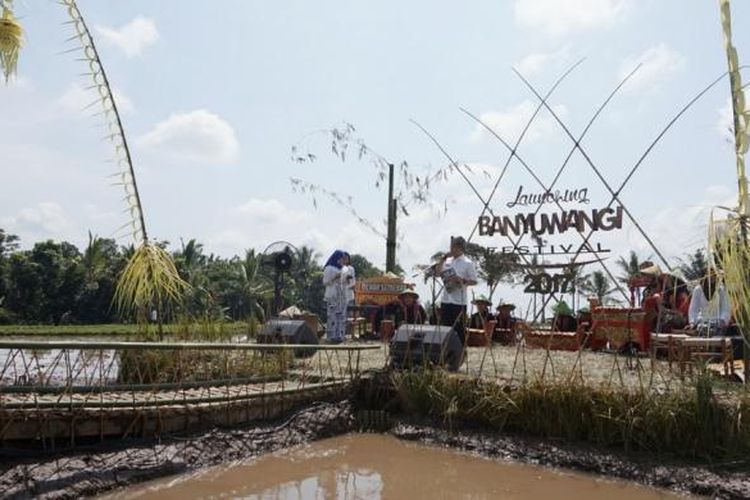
(482, 299)
(651, 269)
(408, 291)
(505, 305)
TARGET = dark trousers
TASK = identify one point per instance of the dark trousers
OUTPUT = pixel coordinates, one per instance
(454, 315)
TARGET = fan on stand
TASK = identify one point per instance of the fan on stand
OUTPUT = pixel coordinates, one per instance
(280, 256)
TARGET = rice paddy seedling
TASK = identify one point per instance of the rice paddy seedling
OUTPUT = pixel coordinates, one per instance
(11, 40)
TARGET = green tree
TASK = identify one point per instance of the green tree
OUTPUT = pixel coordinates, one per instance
(306, 280)
(493, 267)
(598, 285)
(629, 268)
(102, 262)
(694, 266)
(363, 267)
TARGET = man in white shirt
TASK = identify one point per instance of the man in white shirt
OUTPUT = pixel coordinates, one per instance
(458, 273)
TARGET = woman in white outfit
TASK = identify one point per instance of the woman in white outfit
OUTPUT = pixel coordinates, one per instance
(348, 279)
(335, 297)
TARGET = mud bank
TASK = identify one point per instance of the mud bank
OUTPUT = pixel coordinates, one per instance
(90, 472)
(87, 473)
(719, 482)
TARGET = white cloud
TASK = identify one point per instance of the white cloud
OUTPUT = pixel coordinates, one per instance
(659, 63)
(45, 220)
(270, 211)
(535, 63)
(19, 82)
(261, 221)
(131, 38)
(562, 17)
(509, 123)
(198, 136)
(124, 104)
(77, 98)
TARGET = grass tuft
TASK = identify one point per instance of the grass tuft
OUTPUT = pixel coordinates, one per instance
(689, 422)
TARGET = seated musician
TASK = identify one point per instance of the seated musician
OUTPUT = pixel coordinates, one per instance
(482, 315)
(411, 311)
(666, 300)
(405, 311)
(504, 317)
(564, 321)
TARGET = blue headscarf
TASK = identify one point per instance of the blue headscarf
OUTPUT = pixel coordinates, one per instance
(333, 260)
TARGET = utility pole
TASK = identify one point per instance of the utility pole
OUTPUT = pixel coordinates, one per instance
(390, 243)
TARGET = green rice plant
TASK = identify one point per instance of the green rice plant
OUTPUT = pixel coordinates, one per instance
(11, 39)
(687, 422)
(145, 366)
(149, 281)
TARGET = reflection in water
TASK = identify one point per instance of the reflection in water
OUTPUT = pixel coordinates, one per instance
(381, 467)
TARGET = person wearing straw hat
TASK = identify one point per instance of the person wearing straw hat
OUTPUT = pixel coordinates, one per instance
(405, 311)
(411, 311)
(504, 317)
(482, 315)
(665, 300)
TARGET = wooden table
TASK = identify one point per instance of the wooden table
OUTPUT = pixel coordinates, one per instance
(672, 342)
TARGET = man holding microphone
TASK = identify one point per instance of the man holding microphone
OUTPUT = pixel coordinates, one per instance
(458, 273)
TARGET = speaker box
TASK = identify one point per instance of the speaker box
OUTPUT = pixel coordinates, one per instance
(289, 331)
(418, 345)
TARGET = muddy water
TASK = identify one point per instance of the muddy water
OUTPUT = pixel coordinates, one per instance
(383, 467)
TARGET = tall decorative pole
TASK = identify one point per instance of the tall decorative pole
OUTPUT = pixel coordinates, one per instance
(736, 243)
(149, 281)
(740, 112)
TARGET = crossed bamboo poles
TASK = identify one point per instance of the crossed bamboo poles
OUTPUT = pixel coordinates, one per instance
(615, 194)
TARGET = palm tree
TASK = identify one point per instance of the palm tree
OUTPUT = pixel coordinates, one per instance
(694, 266)
(598, 285)
(492, 267)
(629, 267)
(256, 288)
(94, 261)
(578, 282)
(190, 259)
(306, 278)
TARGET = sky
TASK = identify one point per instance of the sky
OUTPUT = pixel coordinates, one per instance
(213, 96)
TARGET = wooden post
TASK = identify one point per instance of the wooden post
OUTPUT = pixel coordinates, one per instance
(390, 245)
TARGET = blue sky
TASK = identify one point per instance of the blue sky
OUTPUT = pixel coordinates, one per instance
(214, 95)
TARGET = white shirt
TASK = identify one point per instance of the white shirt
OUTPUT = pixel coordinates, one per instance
(348, 280)
(707, 310)
(332, 282)
(462, 267)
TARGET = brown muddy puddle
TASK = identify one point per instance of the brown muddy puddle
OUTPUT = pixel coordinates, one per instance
(371, 466)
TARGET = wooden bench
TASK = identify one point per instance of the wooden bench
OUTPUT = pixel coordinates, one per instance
(694, 349)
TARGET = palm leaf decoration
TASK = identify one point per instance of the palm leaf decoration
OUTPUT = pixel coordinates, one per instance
(150, 279)
(11, 39)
